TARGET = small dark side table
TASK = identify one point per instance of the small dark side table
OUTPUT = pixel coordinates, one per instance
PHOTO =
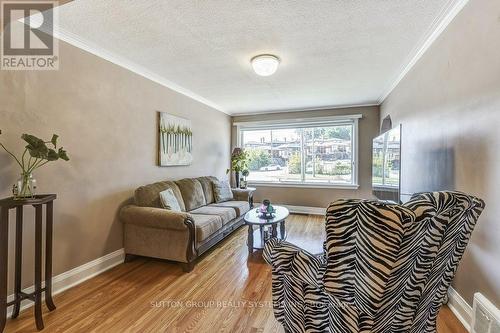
(5, 206)
(248, 190)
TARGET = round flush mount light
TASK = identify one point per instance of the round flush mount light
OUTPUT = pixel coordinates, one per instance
(265, 64)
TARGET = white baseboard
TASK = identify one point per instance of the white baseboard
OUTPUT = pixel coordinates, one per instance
(460, 308)
(75, 276)
(306, 210)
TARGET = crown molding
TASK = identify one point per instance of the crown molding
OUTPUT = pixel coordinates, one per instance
(439, 25)
(121, 61)
(322, 108)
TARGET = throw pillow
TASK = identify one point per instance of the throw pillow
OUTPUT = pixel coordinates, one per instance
(222, 191)
(169, 201)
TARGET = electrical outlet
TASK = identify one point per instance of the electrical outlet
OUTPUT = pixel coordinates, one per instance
(486, 316)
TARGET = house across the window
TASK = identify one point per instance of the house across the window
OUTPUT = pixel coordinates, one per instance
(302, 153)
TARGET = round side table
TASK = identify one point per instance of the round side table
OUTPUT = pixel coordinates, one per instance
(257, 238)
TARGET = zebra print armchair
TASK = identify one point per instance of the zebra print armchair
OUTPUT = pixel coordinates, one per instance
(386, 267)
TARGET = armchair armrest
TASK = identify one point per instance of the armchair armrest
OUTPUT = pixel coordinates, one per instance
(155, 217)
(286, 258)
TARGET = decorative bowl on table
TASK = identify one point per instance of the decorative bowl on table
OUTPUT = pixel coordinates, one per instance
(266, 210)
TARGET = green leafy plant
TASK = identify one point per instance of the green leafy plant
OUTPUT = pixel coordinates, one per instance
(239, 161)
(38, 151)
(36, 154)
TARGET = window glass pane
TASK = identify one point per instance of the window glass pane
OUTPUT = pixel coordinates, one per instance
(279, 155)
(328, 154)
(392, 160)
(270, 152)
(386, 160)
(286, 155)
(378, 161)
(258, 146)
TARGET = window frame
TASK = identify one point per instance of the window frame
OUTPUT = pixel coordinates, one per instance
(353, 120)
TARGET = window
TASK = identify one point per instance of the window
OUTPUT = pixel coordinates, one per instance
(315, 153)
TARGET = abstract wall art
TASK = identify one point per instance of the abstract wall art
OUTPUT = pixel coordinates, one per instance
(176, 140)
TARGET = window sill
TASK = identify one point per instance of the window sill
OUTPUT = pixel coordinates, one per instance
(305, 185)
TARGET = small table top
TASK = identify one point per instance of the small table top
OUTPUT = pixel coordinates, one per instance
(38, 199)
(252, 216)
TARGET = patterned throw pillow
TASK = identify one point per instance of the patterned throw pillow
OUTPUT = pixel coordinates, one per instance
(222, 191)
(169, 201)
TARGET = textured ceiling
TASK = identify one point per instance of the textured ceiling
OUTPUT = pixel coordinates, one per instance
(334, 52)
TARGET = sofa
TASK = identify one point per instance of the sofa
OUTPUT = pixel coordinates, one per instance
(181, 236)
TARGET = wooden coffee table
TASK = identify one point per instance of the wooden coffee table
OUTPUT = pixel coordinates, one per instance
(257, 238)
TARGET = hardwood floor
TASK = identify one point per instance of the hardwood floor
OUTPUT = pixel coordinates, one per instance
(226, 292)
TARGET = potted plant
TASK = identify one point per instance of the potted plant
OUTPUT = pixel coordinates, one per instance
(36, 154)
(238, 163)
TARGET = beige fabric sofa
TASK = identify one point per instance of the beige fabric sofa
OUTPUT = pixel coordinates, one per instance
(153, 231)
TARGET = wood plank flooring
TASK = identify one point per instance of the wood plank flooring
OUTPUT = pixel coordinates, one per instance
(228, 291)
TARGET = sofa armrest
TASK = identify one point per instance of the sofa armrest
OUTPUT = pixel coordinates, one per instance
(287, 258)
(158, 218)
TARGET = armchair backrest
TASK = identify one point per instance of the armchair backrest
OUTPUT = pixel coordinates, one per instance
(363, 242)
(460, 212)
(395, 263)
(431, 250)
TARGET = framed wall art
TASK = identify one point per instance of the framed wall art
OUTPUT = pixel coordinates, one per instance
(176, 140)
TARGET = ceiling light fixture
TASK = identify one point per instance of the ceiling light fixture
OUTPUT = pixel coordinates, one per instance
(265, 64)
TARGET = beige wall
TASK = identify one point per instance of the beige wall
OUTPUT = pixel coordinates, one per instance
(315, 197)
(449, 105)
(106, 118)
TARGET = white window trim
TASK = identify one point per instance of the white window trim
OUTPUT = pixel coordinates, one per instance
(301, 122)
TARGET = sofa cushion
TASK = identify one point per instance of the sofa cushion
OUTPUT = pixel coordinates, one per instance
(169, 201)
(149, 195)
(241, 207)
(208, 188)
(222, 191)
(192, 193)
(226, 213)
(206, 225)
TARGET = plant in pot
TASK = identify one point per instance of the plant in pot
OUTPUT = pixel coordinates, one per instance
(238, 163)
(36, 154)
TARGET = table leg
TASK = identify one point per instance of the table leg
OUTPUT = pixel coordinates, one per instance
(38, 267)
(275, 230)
(282, 229)
(19, 259)
(48, 256)
(4, 247)
(250, 239)
(262, 240)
